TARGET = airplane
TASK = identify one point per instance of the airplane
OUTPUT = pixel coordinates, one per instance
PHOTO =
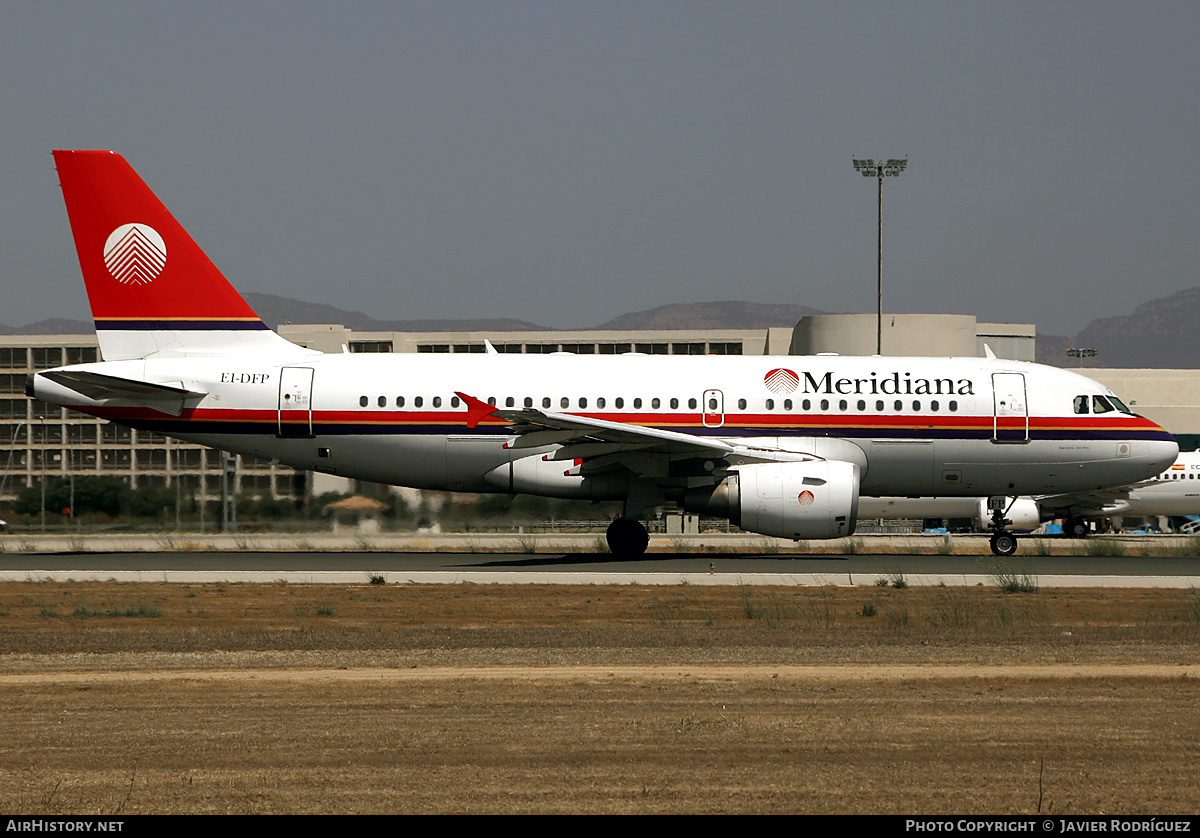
(1174, 492)
(782, 446)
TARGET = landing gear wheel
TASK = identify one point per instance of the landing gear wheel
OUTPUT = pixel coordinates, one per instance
(1076, 528)
(1004, 543)
(627, 537)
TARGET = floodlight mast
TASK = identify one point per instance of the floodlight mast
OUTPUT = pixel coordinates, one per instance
(880, 170)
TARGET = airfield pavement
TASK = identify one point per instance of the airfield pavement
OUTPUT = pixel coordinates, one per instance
(122, 698)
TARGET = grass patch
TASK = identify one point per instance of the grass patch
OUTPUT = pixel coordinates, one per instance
(950, 608)
(1189, 546)
(1104, 547)
(1011, 580)
(139, 610)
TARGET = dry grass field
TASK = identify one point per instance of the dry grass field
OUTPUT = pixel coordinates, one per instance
(122, 699)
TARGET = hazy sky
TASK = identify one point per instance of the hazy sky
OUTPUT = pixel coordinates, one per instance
(565, 162)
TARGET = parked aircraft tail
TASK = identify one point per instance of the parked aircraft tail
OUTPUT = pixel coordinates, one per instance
(152, 289)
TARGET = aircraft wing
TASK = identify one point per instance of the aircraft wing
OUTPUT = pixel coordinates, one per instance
(1095, 502)
(584, 436)
(113, 390)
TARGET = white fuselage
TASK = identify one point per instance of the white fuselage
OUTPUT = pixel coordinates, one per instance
(914, 426)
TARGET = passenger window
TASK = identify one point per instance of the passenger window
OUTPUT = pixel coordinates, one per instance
(862, 405)
(654, 403)
(600, 403)
(806, 404)
(362, 401)
(528, 401)
(508, 402)
(582, 403)
(691, 404)
(382, 401)
(787, 404)
(824, 404)
(899, 406)
(437, 401)
(546, 402)
(619, 402)
(933, 405)
(879, 406)
(564, 403)
(770, 404)
(953, 406)
(741, 404)
(637, 404)
(418, 402)
(842, 404)
(916, 406)
(399, 401)
(454, 401)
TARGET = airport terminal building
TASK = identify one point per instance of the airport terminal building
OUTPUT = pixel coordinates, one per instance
(41, 442)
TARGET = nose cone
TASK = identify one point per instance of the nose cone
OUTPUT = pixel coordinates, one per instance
(1160, 453)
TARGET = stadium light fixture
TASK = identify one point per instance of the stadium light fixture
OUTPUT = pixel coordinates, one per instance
(867, 167)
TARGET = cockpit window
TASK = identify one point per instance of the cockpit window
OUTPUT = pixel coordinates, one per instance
(1120, 405)
(1101, 405)
(1081, 404)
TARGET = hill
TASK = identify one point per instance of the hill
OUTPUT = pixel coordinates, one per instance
(1157, 334)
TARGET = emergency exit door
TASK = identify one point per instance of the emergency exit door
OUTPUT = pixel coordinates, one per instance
(713, 406)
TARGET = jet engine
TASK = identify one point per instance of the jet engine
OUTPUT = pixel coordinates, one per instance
(812, 499)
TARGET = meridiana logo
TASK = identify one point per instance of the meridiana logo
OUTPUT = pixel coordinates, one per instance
(135, 254)
(781, 381)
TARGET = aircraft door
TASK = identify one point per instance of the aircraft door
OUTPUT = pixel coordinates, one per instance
(295, 402)
(1011, 422)
(713, 406)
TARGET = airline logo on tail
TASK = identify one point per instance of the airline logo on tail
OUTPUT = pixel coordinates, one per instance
(135, 254)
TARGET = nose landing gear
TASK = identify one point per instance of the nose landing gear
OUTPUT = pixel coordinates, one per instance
(1003, 543)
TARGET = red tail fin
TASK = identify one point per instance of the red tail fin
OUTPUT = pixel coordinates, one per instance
(152, 289)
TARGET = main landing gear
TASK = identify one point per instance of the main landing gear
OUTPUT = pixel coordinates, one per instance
(1076, 527)
(627, 537)
(1003, 542)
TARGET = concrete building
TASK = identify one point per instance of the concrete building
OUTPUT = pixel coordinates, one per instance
(931, 335)
(39, 441)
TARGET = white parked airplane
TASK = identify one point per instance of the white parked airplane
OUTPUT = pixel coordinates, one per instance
(782, 446)
(1174, 492)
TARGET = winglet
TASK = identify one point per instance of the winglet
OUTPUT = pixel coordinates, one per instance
(477, 410)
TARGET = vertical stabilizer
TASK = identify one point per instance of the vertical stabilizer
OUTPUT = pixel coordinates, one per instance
(152, 289)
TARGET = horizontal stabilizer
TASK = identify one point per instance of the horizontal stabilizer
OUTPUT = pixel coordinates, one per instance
(110, 389)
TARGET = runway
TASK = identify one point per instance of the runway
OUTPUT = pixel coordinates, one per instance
(598, 568)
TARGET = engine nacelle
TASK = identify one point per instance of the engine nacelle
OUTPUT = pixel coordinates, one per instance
(815, 499)
(1023, 512)
(541, 475)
